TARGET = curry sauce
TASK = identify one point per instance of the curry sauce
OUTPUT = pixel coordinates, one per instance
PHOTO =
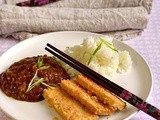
(14, 81)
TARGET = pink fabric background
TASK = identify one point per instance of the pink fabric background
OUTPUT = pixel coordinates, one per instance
(148, 45)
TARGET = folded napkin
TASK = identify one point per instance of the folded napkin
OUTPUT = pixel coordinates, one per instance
(93, 4)
(123, 19)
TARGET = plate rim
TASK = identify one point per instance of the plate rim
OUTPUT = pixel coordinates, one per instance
(83, 32)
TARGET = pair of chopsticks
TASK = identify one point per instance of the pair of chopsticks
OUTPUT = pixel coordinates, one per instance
(99, 79)
(33, 3)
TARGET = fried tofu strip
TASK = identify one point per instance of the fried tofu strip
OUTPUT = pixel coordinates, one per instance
(102, 93)
(66, 106)
(85, 98)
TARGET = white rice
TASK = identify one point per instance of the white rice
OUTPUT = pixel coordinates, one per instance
(106, 61)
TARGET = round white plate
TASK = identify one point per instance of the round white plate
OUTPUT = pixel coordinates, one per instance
(138, 80)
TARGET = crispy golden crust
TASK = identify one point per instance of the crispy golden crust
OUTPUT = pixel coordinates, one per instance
(85, 98)
(101, 93)
(66, 106)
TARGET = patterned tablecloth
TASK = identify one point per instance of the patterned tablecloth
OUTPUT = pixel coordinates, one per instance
(148, 45)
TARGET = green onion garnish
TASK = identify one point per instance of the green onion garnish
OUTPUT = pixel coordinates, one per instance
(40, 62)
(68, 47)
(43, 83)
(108, 44)
(36, 80)
(44, 67)
(33, 79)
(94, 53)
(54, 57)
(35, 84)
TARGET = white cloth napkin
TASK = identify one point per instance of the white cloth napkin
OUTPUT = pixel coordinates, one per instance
(123, 19)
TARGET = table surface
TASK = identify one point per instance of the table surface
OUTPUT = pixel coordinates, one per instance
(148, 45)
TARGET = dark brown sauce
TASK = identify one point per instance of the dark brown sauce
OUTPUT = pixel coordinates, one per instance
(14, 81)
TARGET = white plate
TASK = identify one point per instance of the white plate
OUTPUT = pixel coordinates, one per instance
(138, 80)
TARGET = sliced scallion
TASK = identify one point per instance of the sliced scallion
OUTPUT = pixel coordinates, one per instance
(68, 47)
(32, 80)
(40, 62)
(44, 67)
(36, 80)
(108, 44)
(94, 53)
(35, 84)
(43, 83)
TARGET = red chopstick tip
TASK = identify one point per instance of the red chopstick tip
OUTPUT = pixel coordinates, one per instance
(33, 3)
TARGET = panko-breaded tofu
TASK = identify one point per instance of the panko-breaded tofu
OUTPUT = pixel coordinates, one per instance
(80, 94)
(66, 106)
(102, 93)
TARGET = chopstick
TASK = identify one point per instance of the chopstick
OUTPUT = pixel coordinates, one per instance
(106, 83)
(33, 3)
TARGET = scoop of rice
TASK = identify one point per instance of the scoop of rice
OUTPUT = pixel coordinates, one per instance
(105, 61)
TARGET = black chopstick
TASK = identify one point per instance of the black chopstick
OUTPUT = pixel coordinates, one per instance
(33, 3)
(119, 91)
